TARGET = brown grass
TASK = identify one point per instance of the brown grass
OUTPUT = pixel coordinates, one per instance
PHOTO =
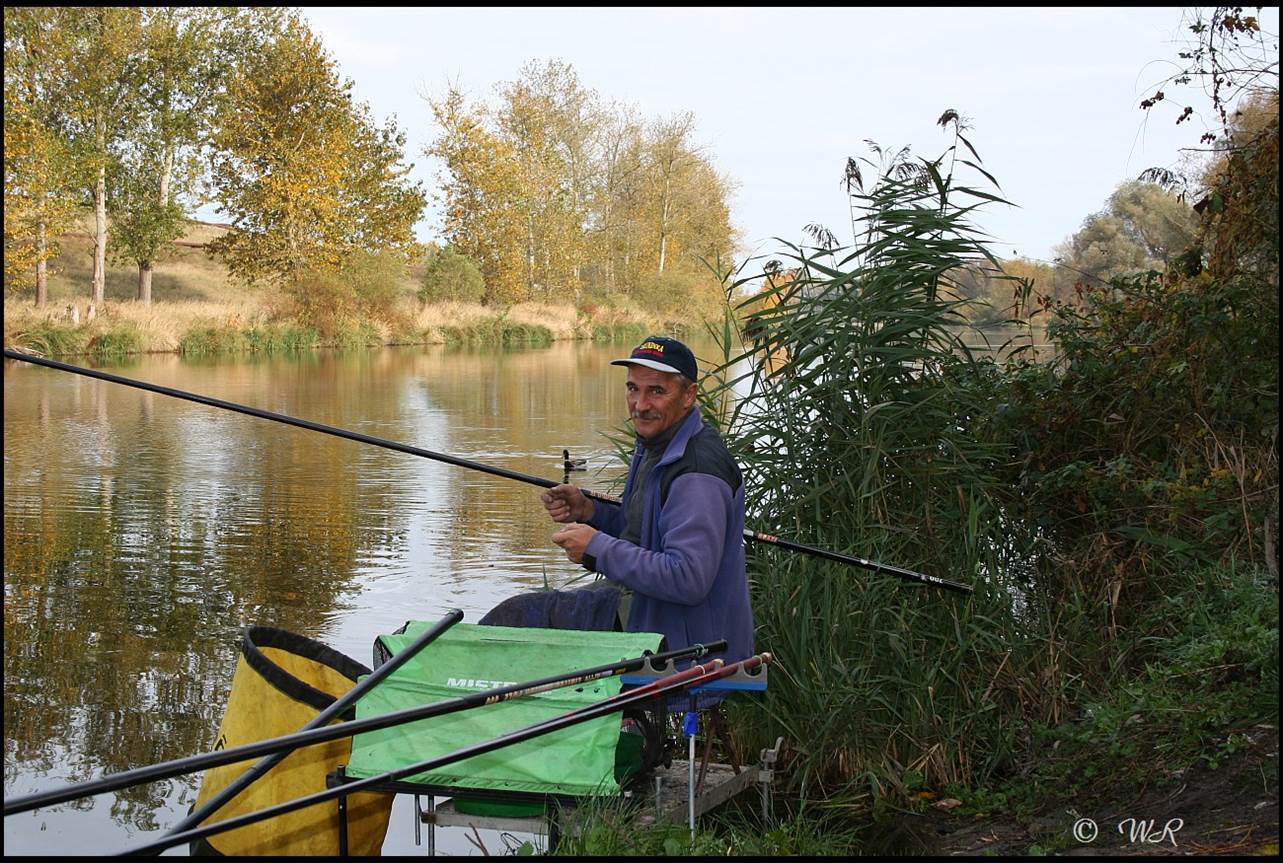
(191, 290)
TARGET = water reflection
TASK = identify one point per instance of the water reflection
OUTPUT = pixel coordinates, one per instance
(143, 532)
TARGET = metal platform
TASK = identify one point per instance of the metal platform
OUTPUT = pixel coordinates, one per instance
(666, 798)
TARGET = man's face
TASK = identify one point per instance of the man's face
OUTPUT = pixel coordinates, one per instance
(656, 400)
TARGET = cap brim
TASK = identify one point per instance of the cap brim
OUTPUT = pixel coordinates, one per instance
(650, 364)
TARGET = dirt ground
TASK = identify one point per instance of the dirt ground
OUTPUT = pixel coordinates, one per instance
(1232, 810)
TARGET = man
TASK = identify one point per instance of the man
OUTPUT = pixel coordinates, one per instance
(677, 538)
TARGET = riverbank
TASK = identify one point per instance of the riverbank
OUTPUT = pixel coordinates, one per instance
(1227, 804)
(198, 310)
(201, 328)
(1171, 746)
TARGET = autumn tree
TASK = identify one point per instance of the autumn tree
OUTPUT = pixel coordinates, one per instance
(615, 191)
(307, 177)
(189, 56)
(1240, 201)
(554, 194)
(685, 219)
(1040, 276)
(41, 170)
(669, 153)
(481, 193)
(97, 61)
(552, 123)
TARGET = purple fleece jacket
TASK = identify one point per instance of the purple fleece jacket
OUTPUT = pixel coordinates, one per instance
(687, 576)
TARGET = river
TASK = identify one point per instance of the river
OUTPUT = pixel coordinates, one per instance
(142, 533)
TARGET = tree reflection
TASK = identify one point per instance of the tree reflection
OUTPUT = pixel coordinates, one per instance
(142, 533)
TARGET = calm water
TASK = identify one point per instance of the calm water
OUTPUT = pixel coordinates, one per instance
(142, 533)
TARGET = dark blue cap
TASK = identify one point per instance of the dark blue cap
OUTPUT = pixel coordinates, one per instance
(663, 354)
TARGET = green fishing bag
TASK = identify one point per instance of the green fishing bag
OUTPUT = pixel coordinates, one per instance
(576, 761)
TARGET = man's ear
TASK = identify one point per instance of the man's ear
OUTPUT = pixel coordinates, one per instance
(692, 393)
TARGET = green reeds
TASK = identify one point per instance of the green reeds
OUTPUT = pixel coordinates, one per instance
(498, 331)
(212, 341)
(860, 423)
(51, 340)
(216, 341)
(619, 331)
(108, 342)
(117, 342)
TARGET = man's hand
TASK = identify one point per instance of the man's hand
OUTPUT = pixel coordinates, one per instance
(566, 504)
(574, 539)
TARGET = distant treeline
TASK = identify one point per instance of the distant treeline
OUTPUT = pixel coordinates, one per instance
(140, 115)
(554, 192)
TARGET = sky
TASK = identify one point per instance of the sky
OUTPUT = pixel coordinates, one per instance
(782, 96)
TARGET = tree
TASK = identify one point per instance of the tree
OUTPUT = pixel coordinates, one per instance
(1141, 228)
(481, 193)
(189, 55)
(1240, 227)
(145, 218)
(614, 189)
(96, 61)
(307, 177)
(552, 124)
(40, 166)
(552, 194)
(669, 153)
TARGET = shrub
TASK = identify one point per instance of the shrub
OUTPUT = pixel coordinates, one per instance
(367, 285)
(693, 296)
(452, 277)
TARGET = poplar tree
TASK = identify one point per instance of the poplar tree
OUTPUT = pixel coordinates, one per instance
(482, 196)
(40, 167)
(555, 195)
(97, 57)
(189, 56)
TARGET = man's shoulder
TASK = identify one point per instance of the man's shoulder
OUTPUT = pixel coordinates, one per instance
(706, 453)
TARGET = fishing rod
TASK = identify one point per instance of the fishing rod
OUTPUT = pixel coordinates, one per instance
(300, 739)
(695, 675)
(756, 536)
(340, 705)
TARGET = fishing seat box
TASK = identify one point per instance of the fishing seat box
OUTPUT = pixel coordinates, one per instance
(584, 760)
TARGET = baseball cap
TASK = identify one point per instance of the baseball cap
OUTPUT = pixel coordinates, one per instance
(663, 354)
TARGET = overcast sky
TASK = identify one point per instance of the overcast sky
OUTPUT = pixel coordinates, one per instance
(783, 96)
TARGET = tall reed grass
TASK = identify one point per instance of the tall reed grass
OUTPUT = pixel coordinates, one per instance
(861, 427)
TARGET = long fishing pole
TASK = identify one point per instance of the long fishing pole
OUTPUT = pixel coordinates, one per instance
(340, 705)
(300, 739)
(693, 676)
(756, 536)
